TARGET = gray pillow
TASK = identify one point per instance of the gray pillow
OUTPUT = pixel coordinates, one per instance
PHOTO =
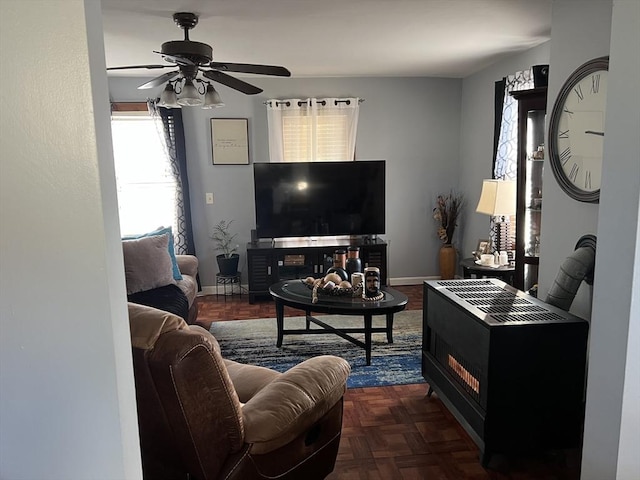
(147, 263)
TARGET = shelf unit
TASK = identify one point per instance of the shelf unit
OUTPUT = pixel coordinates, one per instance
(532, 105)
(270, 262)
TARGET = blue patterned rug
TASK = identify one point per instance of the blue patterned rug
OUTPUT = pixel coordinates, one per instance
(398, 363)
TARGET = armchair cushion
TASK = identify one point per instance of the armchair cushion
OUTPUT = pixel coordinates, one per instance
(249, 379)
(293, 402)
(187, 264)
(146, 324)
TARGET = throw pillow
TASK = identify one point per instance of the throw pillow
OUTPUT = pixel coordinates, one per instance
(147, 263)
(172, 253)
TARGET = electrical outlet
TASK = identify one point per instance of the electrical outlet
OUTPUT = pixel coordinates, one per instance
(209, 198)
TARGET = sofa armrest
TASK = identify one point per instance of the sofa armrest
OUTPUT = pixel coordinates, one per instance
(293, 402)
(188, 264)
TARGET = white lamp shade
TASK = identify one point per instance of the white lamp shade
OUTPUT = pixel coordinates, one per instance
(212, 98)
(498, 197)
(168, 97)
(189, 97)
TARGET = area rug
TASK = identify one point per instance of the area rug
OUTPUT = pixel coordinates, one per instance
(254, 342)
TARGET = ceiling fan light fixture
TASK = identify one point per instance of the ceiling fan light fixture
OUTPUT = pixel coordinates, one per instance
(168, 97)
(212, 98)
(189, 97)
(191, 59)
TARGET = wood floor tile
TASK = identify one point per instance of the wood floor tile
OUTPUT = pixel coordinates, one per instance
(396, 432)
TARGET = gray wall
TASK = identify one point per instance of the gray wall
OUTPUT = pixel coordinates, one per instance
(413, 123)
(574, 41)
(67, 400)
(612, 426)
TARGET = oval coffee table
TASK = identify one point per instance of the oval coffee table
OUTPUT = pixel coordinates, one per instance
(295, 294)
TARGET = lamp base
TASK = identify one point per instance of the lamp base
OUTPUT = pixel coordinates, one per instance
(500, 234)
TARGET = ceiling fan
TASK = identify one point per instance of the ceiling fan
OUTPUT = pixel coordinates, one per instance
(193, 61)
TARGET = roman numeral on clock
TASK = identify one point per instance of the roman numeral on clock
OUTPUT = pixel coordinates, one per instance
(595, 83)
(578, 90)
(565, 155)
(587, 179)
(564, 134)
(573, 174)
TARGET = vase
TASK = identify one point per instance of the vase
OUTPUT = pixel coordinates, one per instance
(354, 263)
(447, 258)
(340, 259)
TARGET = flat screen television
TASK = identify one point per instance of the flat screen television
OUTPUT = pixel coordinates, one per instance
(306, 199)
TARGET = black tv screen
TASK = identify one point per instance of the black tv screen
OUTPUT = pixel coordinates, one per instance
(305, 199)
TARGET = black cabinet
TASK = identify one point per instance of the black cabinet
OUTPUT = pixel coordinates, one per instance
(532, 106)
(271, 262)
(510, 367)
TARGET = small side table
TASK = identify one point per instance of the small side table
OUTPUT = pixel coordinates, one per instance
(470, 269)
(230, 284)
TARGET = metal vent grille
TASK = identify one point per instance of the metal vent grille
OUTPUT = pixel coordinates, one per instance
(527, 317)
(454, 283)
(499, 301)
(491, 288)
(499, 304)
(487, 296)
(511, 309)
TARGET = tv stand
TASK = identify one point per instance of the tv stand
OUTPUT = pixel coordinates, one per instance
(275, 260)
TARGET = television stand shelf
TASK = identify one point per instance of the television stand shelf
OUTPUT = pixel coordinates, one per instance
(270, 261)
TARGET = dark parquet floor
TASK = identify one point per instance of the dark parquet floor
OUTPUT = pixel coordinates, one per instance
(397, 432)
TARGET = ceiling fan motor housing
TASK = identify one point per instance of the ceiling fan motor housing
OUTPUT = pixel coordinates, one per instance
(198, 52)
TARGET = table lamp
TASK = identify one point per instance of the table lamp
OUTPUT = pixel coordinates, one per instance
(498, 199)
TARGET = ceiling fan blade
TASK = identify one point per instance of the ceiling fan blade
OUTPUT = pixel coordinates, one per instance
(148, 67)
(156, 82)
(251, 68)
(176, 59)
(231, 82)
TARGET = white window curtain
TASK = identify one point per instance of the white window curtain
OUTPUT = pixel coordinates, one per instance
(312, 129)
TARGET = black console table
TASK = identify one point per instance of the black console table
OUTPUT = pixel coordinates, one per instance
(510, 367)
(272, 262)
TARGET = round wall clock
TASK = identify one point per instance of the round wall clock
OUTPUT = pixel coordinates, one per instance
(576, 131)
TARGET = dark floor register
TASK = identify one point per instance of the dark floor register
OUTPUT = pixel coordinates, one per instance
(509, 366)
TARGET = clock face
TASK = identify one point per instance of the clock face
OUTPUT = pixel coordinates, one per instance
(576, 131)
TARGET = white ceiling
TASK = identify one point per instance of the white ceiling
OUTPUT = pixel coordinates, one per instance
(328, 38)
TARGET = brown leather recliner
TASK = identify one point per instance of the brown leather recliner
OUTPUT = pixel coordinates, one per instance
(203, 417)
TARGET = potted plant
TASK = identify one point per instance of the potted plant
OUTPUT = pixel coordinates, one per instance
(446, 212)
(225, 243)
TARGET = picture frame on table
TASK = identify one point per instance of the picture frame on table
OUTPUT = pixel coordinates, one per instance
(483, 247)
(230, 141)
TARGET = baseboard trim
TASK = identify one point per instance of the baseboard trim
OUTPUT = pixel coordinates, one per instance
(211, 290)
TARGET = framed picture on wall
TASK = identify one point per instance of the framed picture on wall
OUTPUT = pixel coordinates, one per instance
(230, 141)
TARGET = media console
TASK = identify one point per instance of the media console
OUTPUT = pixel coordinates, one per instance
(270, 261)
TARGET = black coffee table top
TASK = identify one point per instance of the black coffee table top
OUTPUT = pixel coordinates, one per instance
(295, 293)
